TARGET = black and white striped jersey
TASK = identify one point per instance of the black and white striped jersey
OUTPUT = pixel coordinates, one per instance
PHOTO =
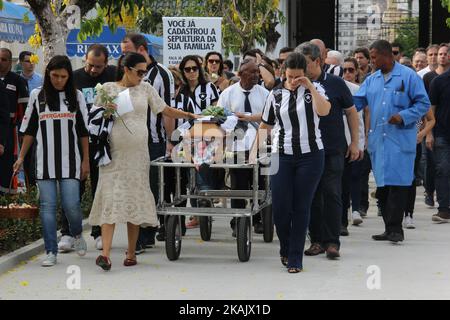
(204, 95)
(57, 134)
(295, 120)
(333, 69)
(184, 103)
(162, 80)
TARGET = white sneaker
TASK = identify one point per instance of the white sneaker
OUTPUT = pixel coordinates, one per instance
(80, 245)
(98, 243)
(356, 218)
(49, 261)
(409, 223)
(66, 244)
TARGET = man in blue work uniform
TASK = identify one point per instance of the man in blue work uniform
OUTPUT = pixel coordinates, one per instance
(397, 99)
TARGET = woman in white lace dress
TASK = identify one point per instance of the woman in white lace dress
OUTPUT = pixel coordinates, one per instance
(123, 194)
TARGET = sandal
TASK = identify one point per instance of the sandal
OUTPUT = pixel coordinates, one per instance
(129, 262)
(284, 261)
(103, 262)
(294, 270)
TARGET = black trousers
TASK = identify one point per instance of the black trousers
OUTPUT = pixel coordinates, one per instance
(326, 210)
(412, 189)
(392, 201)
(242, 179)
(96, 231)
(366, 167)
(351, 188)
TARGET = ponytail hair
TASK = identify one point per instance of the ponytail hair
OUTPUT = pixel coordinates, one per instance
(129, 60)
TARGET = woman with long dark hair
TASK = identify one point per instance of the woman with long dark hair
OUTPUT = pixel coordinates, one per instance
(123, 192)
(56, 117)
(214, 68)
(196, 86)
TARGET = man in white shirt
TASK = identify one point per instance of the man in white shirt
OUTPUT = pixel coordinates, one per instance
(246, 100)
(432, 58)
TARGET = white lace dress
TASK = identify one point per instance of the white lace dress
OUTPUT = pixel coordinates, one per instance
(123, 192)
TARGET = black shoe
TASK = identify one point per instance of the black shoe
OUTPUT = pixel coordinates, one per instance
(161, 236)
(139, 248)
(429, 200)
(259, 228)
(395, 237)
(344, 231)
(380, 237)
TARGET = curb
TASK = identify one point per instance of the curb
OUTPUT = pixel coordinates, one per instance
(13, 259)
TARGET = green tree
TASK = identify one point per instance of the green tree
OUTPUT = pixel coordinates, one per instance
(408, 35)
(52, 18)
(244, 22)
(446, 4)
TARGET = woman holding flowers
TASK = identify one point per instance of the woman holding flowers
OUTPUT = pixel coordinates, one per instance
(123, 193)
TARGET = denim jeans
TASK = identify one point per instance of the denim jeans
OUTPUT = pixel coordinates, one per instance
(70, 200)
(326, 210)
(442, 177)
(293, 187)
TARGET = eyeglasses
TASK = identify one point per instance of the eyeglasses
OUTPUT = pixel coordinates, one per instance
(27, 61)
(214, 61)
(190, 69)
(351, 70)
(395, 52)
(140, 73)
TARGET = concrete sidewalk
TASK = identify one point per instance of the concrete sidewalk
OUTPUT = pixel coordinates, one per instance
(415, 269)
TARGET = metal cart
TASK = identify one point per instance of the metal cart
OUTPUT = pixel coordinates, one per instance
(261, 204)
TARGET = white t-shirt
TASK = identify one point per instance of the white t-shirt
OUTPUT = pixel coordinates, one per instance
(353, 89)
(423, 72)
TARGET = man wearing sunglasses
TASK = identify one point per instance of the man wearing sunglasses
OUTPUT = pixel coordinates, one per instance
(397, 51)
(160, 127)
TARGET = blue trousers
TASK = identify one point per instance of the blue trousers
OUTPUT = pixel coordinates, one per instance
(70, 200)
(293, 186)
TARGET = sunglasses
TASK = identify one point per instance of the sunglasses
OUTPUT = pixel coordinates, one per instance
(351, 70)
(214, 61)
(395, 52)
(140, 73)
(190, 69)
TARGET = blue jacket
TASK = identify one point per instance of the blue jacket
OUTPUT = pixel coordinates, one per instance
(392, 148)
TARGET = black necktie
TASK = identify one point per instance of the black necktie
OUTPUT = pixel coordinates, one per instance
(248, 107)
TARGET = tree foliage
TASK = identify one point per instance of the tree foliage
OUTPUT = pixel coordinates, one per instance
(244, 22)
(408, 35)
(446, 4)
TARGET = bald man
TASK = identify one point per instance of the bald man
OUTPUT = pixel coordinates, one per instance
(328, 68)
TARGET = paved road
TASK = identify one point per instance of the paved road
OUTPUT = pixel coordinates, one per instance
(415, 269)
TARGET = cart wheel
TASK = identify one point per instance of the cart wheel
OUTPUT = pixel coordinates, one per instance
(205, 228)
(173, 238)
(267, 218)
(244, 244)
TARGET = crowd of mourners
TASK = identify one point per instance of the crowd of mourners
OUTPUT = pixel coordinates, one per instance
(331, 120)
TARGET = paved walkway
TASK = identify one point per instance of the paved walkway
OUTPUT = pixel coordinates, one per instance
(416, 269)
